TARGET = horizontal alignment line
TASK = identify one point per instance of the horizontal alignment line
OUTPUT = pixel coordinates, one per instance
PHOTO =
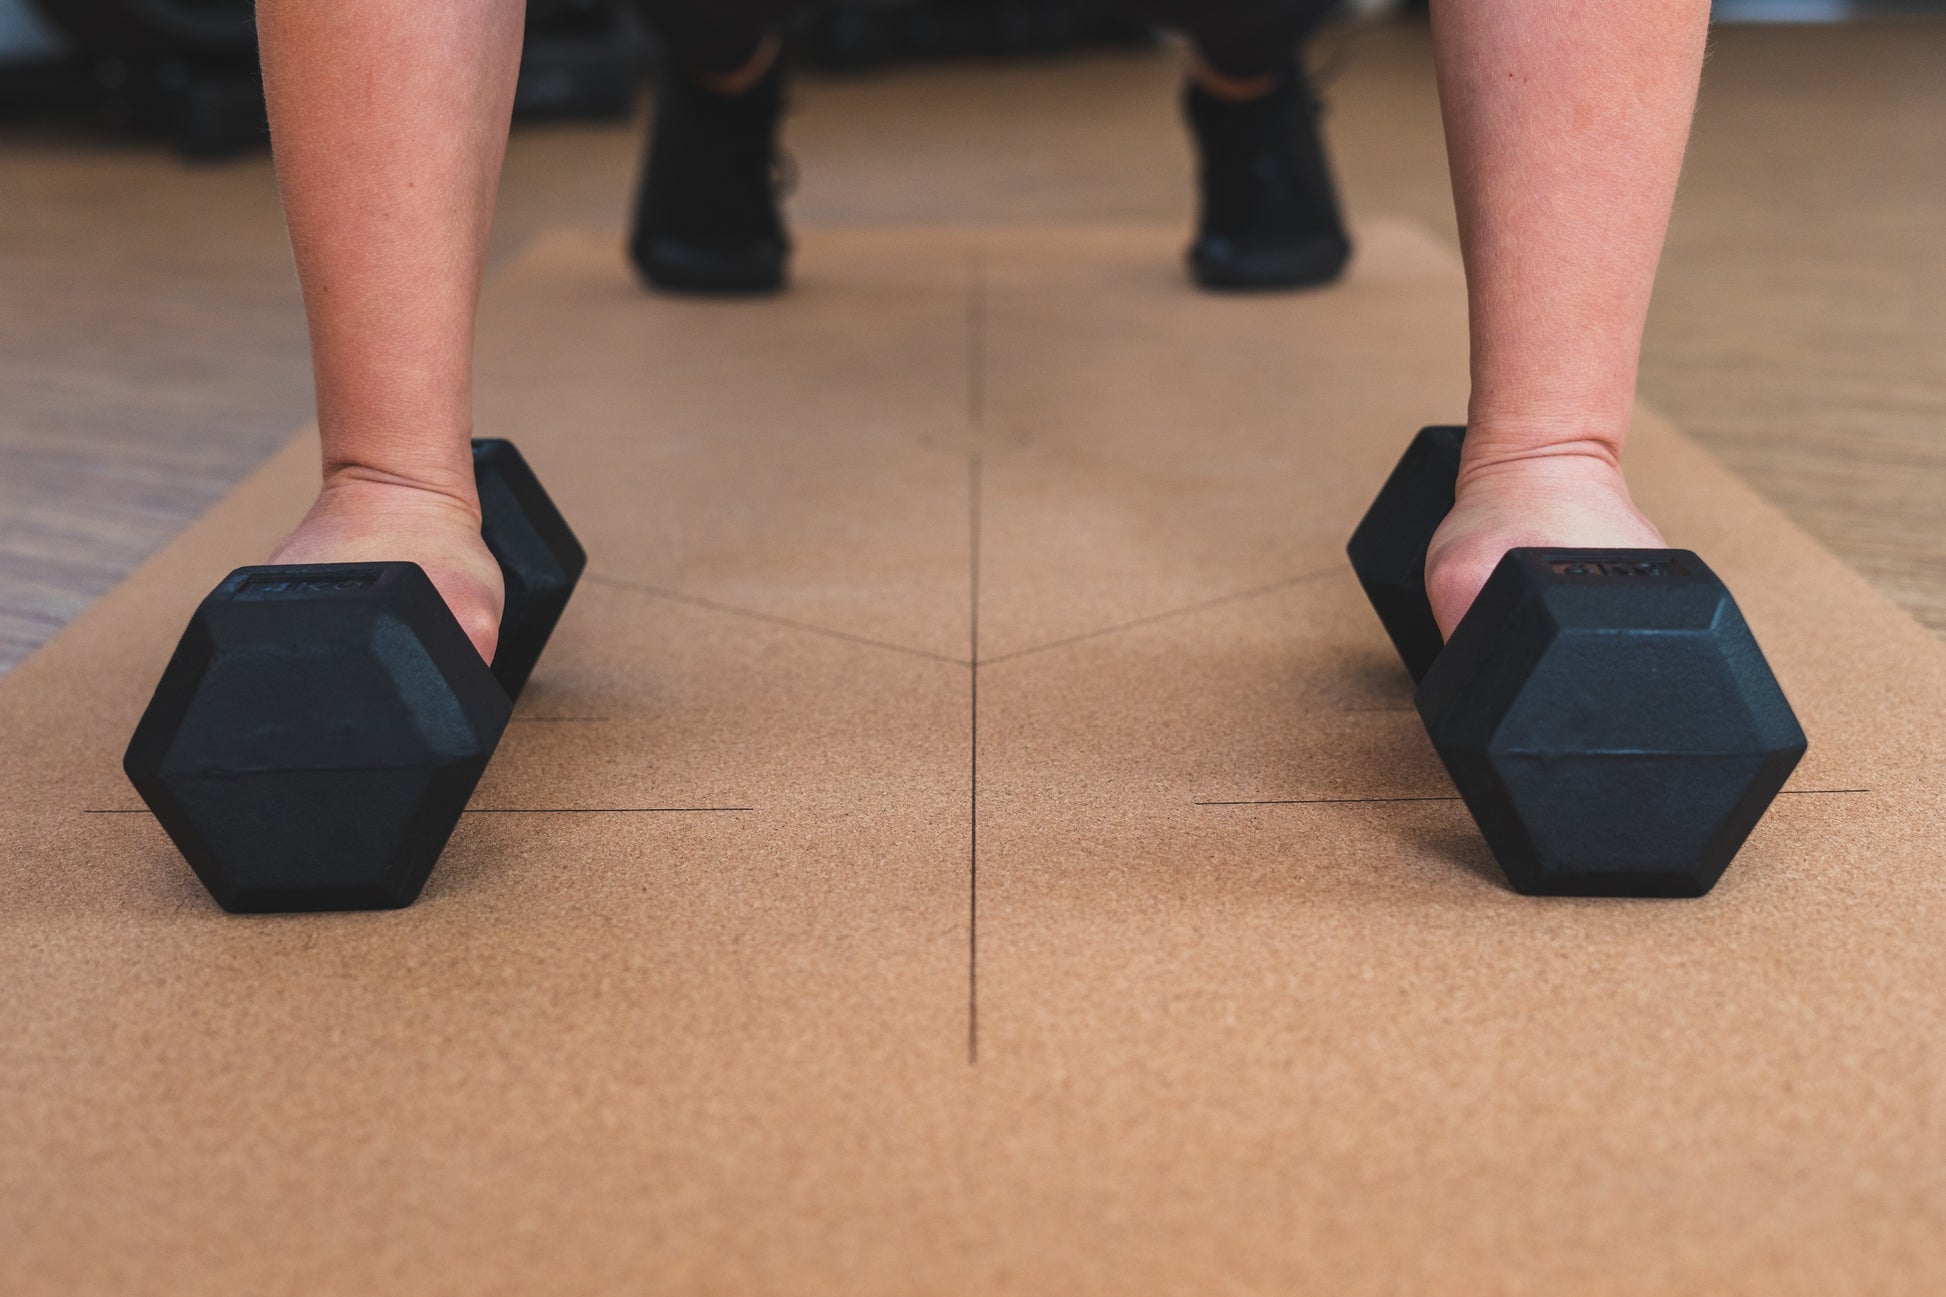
(728, 810)
(1327, 801)
(1454, 797)
(605, 810)
(521, 810)
(732, 610)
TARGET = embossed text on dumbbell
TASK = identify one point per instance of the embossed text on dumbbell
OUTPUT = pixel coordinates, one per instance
(268, 585)
(1632, 568)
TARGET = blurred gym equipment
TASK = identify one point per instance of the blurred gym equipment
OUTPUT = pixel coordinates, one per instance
(867, 34)
(186, 70)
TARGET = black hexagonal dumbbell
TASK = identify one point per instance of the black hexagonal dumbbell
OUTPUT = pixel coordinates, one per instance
(539, 557)
(319, 729)
(1388, 551)
(1606, 714)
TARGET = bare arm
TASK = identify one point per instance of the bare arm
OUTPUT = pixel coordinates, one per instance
(389, 120)
(1566, 122)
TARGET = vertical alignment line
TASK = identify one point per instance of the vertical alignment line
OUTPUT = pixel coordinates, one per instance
(975, 422)
(976, 341)
(973, 771)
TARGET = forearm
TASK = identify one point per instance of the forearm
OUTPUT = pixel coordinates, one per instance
(389, 122)
(1566, 122)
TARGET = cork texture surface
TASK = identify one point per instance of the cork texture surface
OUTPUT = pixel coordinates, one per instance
(968, 834)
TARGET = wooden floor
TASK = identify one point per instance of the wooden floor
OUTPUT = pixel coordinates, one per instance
(152, 347)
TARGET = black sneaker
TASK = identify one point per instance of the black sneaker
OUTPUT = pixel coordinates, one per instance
(706, 220)
(1269, 214)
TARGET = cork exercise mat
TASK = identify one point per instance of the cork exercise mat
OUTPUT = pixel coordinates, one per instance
(969, 835)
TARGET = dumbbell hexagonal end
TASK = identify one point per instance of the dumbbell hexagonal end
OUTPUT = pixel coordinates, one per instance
(316, 735)
(539, 557)
(1388, 551)
(1610, 721)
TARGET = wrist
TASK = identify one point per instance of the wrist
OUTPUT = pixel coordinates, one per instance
(437, 462)
(1576, 444)
(415, 490)
(1595, 425)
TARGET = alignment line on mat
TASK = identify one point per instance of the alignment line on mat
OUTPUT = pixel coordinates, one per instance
(1203, 605)
(976, 367)
(516, 810)
(973, 764)
(607, 810)
(1326, 801)
(976, 340)
(1454, 797)
(732, 610)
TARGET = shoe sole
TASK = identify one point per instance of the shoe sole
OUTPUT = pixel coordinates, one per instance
(1270, 273)
(672, 267)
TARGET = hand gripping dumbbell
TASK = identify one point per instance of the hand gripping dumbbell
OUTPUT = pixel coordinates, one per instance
(1605, 714)
(320, 728)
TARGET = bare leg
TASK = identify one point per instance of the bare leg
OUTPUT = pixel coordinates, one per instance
(1565, 126)
(389, 119)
